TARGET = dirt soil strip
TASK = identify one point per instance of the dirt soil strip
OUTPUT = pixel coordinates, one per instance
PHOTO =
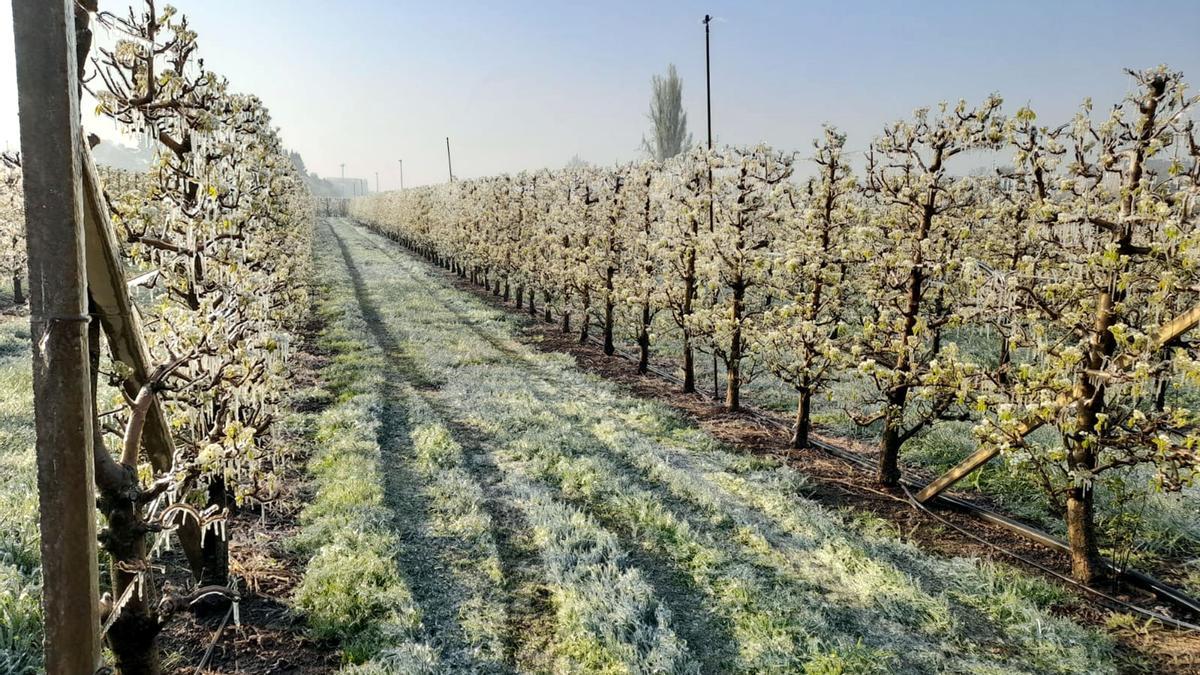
(271, 638)
(839, 485)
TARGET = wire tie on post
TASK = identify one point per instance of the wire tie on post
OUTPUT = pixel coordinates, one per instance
(83, 318)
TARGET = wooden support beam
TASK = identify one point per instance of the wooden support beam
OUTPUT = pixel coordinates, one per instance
(109, 293)
(981, 456)
(1176, 327)
(1168, 332)
(47, 84)
(108, 289)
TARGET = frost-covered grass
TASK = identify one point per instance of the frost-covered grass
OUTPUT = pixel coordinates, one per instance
(458, 517)
(352, 591)
(608, 619)
(20, 575)
(746, 574)
(601, 615)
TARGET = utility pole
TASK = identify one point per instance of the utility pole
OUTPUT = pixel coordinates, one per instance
(377, 181)
(449, 165)
(708, 77)
(402, 174)
(711, 195)
(342, 187)
(48, 101)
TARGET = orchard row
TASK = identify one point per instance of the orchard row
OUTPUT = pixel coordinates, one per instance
(201, 234)
(1046, 300)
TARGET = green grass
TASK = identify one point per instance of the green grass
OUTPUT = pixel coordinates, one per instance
(20, 578)
(666, 552)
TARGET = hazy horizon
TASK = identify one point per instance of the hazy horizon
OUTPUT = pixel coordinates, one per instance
(527, 87)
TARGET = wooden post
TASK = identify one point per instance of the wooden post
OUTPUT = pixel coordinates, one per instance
(47, 83)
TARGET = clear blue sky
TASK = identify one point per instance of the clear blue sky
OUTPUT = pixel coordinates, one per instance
(527, 85)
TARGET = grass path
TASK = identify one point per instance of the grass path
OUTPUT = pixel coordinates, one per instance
(550, 522)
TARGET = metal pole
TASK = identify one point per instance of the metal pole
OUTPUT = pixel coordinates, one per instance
(48, 95)
(377, 181)
(401, 174)
(449, 166)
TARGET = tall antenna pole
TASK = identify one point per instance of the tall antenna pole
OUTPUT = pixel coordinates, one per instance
(449, 165)
(401, 174)
(708, 77)
(342, 187)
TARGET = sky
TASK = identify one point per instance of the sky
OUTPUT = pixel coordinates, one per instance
(526, 85)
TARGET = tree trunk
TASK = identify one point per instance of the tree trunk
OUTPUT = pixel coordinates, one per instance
(716, 392)
(689, 366)
(733, 365)
(938, 308)
(546, 307)
(215, 554)
(133, 636)
(733, 394)
(609, 273)
(609, 348)
(889, 444)
(1082, 452)
(566, 321)
(689, 295)
(803, 419)
(586, 317)
(1081, 535)
(644, 340)
(1005, 361)
(18, 292)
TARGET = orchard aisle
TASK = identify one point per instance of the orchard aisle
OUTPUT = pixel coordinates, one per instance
(549, 521)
